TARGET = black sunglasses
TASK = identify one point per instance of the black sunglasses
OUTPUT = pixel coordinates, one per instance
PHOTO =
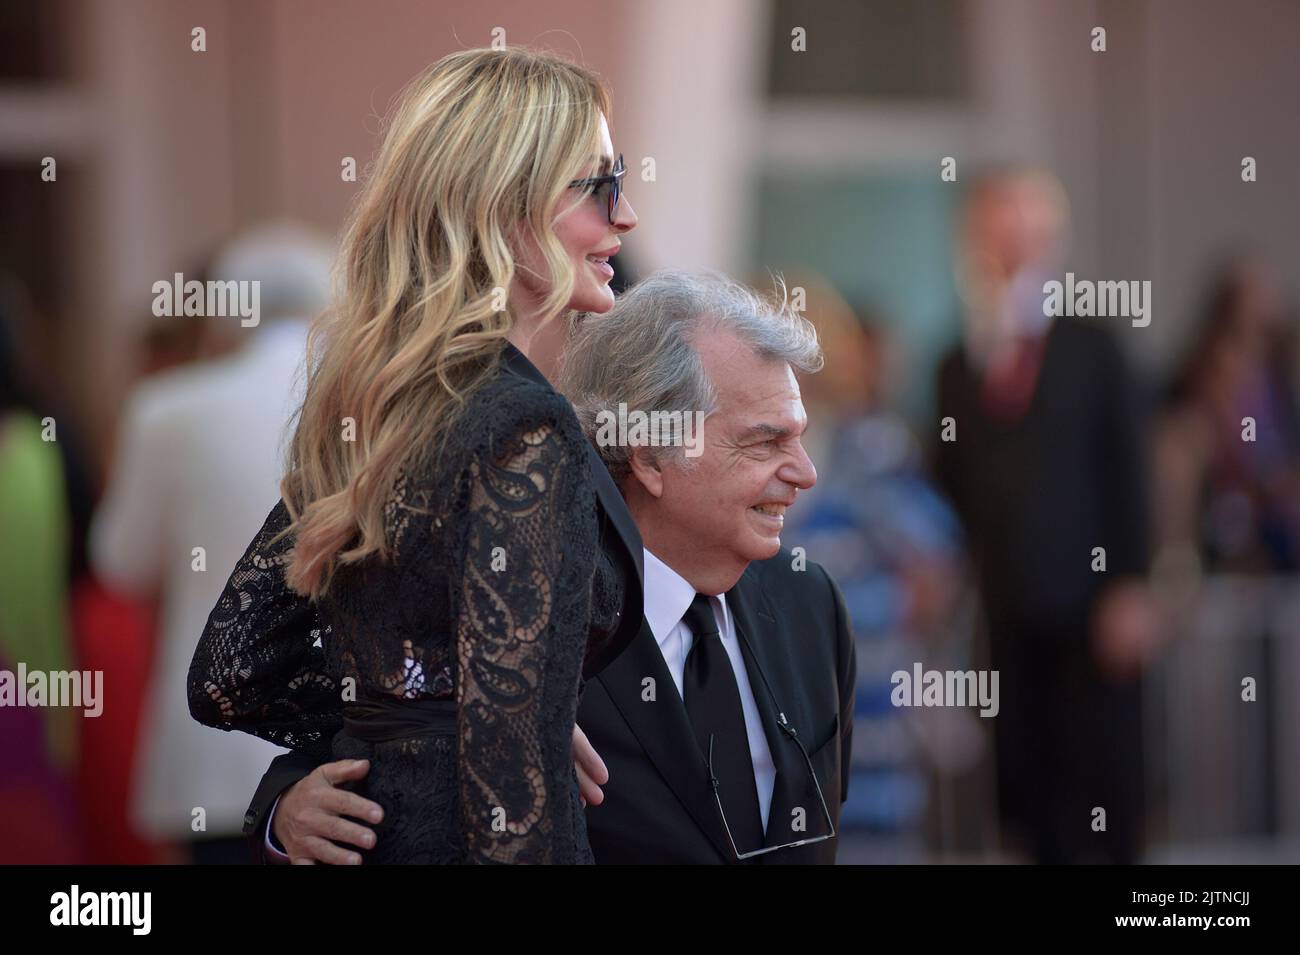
(608, 187)
(817, 787)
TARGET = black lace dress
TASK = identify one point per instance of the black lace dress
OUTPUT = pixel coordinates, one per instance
(456, 667)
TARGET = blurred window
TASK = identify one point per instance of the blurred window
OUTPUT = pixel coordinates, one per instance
(889, 49)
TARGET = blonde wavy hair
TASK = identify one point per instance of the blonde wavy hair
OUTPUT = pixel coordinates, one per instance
(482, 144)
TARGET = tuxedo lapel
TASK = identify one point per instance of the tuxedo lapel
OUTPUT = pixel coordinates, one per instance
(621, 519)
(622, 542)
(767, 655)
(612, 500)
(663, 730)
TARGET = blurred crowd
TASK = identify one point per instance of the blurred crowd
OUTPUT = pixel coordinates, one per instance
(117, 571)
(1038, 523)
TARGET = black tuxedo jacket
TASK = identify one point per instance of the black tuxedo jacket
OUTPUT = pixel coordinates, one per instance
(799, 653)
(659, 806)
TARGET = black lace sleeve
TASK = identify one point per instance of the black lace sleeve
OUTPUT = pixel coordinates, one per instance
(524, 605)
(260, 666)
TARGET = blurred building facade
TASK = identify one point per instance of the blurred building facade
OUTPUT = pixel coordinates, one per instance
(746, 154)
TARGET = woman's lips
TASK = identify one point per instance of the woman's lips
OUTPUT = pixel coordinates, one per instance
(601, 265)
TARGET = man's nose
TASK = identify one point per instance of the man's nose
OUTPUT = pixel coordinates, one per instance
(800, 471)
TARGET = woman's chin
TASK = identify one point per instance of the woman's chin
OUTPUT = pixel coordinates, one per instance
(596, 300)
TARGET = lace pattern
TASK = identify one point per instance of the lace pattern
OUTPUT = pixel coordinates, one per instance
(494, 592)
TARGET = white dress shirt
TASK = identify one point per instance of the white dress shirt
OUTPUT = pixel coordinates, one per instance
(667, 597)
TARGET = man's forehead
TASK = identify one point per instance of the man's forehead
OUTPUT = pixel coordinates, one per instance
(774, 387)
(757, 411)
(742, 379)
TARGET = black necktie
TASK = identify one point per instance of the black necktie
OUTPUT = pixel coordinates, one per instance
(713, 705)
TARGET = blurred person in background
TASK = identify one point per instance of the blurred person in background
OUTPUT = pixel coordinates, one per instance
(169, 341)
(115, 635)
(1228, 504)
(38, 822)
(1047, 464)
(199, 453)
(875, 522)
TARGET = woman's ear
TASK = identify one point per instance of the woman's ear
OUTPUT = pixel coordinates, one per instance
(646, 472)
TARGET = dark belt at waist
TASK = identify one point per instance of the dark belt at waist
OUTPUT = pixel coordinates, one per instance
(379, 718)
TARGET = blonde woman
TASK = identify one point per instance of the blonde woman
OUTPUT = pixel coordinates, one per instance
(449, 559)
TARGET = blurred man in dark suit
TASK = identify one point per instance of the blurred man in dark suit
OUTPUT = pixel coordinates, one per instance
(1046, 465)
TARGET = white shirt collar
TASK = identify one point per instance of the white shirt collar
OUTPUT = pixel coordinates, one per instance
(667, 597)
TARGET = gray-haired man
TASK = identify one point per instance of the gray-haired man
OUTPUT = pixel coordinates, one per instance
(725, 727)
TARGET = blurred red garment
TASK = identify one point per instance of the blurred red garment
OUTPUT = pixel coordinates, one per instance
(115, 635)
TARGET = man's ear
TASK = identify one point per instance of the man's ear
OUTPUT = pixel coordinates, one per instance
(645, 471)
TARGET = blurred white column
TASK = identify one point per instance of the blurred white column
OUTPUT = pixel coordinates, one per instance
(694, 75)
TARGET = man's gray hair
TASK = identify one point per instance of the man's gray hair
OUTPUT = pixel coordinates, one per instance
(639, 355)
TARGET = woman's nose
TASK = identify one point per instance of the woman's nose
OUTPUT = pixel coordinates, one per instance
(625, 219)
